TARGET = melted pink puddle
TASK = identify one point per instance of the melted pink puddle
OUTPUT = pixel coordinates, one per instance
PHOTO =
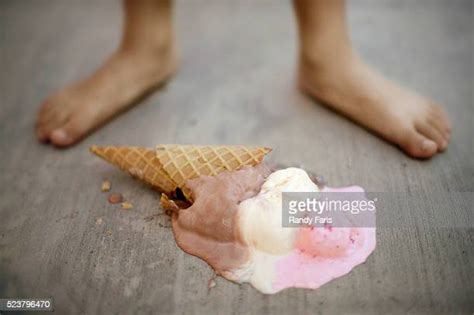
(323, 254)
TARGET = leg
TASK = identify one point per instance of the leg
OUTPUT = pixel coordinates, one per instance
(145, 58)
(330, 71)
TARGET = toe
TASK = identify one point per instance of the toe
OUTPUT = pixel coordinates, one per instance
(44, 128)
(42, 120)
(68, 134)
(41, 134)
(441, 127)
(60, 137)
(49, 118)
(418, 146)
(431, 132)
(439, 118)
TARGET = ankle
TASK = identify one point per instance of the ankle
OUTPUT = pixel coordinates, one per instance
(159, 51)
(317, 62)
(147, 66)
(159, 45)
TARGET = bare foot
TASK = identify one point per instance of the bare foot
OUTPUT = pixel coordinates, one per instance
(70, 114)
(416, 124)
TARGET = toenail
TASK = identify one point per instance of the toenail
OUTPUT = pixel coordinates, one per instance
(426, 145)
(59, 135)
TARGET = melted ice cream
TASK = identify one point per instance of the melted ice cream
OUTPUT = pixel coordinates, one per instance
(235, 224)
(209, 229)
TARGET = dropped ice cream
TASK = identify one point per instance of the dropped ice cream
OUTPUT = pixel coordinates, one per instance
(235, 224)
(232, 216)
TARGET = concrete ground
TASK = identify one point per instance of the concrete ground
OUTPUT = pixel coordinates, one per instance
(60, 237)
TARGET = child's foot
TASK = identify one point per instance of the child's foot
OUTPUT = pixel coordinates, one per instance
(414, 123)
(70, 114)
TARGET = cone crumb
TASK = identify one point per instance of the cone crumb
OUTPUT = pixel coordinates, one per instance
(115, 198)
(127, 205)
(212, 283)
(105, 185)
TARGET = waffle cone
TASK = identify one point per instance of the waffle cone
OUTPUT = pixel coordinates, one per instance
(169, 166)
(141, 163)
(183, 162)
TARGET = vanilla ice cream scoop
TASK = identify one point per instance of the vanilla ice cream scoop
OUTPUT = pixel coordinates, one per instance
(260, 217)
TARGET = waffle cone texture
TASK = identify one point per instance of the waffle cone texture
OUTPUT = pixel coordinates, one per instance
(168, 167)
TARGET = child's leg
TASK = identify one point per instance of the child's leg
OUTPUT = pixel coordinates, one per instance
(145, 59)
(331, 72)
